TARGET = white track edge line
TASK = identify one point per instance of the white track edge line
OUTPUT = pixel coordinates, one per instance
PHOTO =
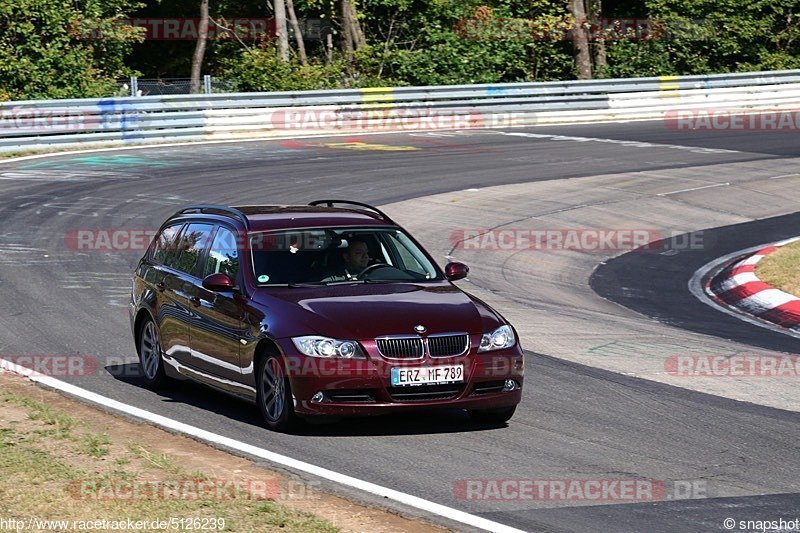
(698, 290)
(208, 436)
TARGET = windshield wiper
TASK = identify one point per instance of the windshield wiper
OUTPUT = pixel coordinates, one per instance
(327, 283)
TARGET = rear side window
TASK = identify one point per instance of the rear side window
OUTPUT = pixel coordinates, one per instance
(223, 255)
(193, 242)
(166, 244)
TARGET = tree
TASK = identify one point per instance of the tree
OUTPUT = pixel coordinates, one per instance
(200, 48)
(280, 28)
(298, 33)
(64, 49)
(580, 40)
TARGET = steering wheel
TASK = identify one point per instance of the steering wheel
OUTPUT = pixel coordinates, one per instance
(370, 268)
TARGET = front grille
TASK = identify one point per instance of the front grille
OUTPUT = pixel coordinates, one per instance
(448, 345)
(400, 347)
(422, 393)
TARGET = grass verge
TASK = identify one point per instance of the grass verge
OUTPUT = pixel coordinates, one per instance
(54, 467)
(781, 269)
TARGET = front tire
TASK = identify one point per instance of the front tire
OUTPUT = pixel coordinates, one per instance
(151, 363)
(274, 395)
(493, 416)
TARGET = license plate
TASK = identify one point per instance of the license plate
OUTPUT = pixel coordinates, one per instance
(427, 375)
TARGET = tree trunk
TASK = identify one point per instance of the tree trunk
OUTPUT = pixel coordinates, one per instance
(298, 34)
(200, 48)
(347, 30)
(580, 41)
(280, 29)
(358, 34)
(599, 46)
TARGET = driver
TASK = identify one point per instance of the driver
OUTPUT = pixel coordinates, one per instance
(356, 258)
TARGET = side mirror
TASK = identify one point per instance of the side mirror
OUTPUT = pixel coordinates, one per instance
(456, 271)
(219, 282)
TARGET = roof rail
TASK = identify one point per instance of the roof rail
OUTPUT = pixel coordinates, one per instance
(221, 210)
(330, 203)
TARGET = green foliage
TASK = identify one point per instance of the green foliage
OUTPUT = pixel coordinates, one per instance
(45, 52)
(409, 42)
(261, 69)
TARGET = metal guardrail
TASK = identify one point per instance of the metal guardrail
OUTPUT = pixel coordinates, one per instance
(43, 124)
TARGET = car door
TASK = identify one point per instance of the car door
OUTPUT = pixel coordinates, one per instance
(172, 316)
(216, 334)
(180, 285)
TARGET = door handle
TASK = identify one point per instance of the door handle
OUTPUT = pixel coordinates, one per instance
(161, 286)
(195, 301)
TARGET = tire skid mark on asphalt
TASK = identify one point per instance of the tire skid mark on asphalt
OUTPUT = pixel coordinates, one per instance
(59, 176)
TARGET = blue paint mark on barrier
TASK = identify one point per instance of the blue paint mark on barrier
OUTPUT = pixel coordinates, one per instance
(495, 90)
(107, 110)
(120, 115)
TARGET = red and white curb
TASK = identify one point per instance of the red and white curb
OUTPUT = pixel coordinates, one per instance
(735, 288)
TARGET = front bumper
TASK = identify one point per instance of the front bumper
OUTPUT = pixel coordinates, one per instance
(361, 387)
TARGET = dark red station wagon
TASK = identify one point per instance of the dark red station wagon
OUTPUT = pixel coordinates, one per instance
(329, 309)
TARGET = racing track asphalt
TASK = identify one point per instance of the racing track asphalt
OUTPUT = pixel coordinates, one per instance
(575, 422)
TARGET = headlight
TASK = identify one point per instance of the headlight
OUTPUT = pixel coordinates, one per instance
(316, 346)
(502, 337)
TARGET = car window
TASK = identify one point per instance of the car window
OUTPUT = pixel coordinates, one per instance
(166, 244)
(192, 244)
(223, 256)
(408, 260)
(330, 255)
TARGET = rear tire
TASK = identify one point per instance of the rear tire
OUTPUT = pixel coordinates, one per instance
(151, 363)
(274, 395)
(493, 416)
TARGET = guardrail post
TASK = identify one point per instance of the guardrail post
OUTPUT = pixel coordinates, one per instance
(134, 86)
(207, 83)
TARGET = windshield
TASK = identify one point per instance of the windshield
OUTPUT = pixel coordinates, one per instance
(322, 256)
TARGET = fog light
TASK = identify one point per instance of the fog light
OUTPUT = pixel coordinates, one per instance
(510, 385)
(317, 398)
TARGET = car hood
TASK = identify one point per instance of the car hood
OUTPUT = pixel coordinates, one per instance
(365, 311)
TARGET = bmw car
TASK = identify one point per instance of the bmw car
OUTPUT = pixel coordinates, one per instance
(329, 309)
